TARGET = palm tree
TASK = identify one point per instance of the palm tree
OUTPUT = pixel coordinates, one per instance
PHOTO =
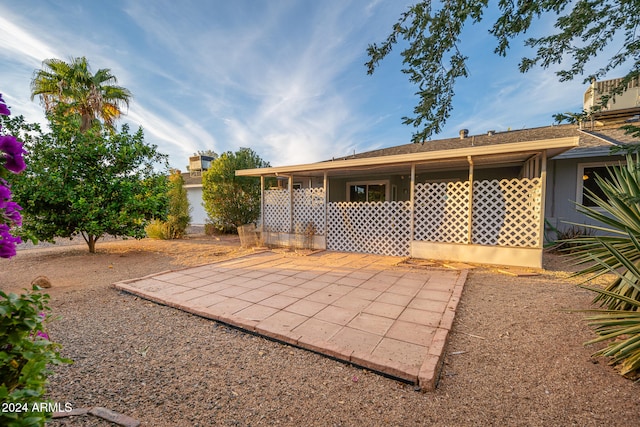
(73, 87)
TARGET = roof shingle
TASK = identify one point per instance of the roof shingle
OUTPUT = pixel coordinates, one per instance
(596, 138)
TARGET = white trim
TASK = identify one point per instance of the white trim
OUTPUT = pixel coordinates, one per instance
(543, 192)
(562, 144)
(478, 254)
(437, 180)
(580, 173)
(384, 182)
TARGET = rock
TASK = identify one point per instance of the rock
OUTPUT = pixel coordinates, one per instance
(42, 282)
(114, 417)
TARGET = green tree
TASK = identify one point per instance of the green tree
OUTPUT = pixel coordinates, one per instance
(230, 200)
(179, 216)
(89, 183)
(434, 61)
(73, 88)
(208, 152)
(179, 210)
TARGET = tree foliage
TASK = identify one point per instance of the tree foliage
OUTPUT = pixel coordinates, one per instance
(72, 88)
(26, 354)
(88, 183)
(230, 200)
(434, 62)
(178, 217)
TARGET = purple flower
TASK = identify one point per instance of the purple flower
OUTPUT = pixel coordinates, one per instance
(42, 335)
(11, 158)
(4, 111)
(7, 242)
(5, 194)
(12, 213)
(13, 152)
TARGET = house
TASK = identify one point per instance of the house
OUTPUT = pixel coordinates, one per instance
(193, 184)
(481, 198)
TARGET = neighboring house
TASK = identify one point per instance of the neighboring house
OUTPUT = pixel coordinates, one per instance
(481, 198)
(193, 185)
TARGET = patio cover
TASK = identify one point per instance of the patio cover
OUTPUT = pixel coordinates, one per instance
(497, 155)
(514, 248)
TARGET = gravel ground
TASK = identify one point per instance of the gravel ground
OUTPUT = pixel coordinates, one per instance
(515, 355)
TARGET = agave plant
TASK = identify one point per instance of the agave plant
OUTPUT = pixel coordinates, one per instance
(615, 250)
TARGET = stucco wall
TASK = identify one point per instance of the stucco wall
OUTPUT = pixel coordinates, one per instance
(562, 185)
(198, 214)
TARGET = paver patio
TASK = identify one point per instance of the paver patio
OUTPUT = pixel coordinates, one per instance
(359, 308)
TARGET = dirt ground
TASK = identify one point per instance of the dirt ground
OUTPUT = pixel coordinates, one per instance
(515, 355)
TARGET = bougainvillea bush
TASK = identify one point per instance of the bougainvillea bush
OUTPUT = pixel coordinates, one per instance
(25, 354)
(11, 162)
(25, 348)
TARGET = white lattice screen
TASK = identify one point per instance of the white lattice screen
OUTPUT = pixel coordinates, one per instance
(507, 212)
(308, 208)
(441, 212)
(277, 211)
(369, 227)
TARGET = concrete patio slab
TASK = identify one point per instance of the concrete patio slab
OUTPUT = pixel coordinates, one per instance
(369, 310)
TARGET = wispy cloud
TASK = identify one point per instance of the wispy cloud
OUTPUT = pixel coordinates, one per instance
(19, 44)
(285, 78)
(280, 94)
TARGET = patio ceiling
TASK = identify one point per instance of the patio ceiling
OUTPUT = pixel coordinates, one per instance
(499, 155)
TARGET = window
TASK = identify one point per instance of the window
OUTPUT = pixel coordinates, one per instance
(376, 191)
(587, 173)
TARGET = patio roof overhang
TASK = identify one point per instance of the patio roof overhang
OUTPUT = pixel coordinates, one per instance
(497, 155)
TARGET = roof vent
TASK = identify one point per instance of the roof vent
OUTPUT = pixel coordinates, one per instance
(464, 133)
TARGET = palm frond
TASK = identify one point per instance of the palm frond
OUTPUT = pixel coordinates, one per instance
(616, 251)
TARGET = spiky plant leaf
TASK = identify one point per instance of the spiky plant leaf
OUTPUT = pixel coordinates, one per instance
(617, 253)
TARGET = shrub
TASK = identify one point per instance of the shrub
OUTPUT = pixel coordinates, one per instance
(565, 237)
(210, 229)
(616, 251)
(230, 200)
(178, 218)
(156, 230)
(25, 353)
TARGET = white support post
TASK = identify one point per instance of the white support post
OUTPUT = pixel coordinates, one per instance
(543, 195)
(291, 230)
(262, 205)
(325, 186)
(470, 213)
(412, 197)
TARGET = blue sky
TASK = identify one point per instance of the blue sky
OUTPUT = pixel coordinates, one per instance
(283, 77)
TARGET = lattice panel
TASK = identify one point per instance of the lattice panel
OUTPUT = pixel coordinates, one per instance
(441, 212)
(370, 227)
(308, 208)
(277, 214)
(507, 212)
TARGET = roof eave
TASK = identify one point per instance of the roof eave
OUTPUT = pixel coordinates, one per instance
(555, 146)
